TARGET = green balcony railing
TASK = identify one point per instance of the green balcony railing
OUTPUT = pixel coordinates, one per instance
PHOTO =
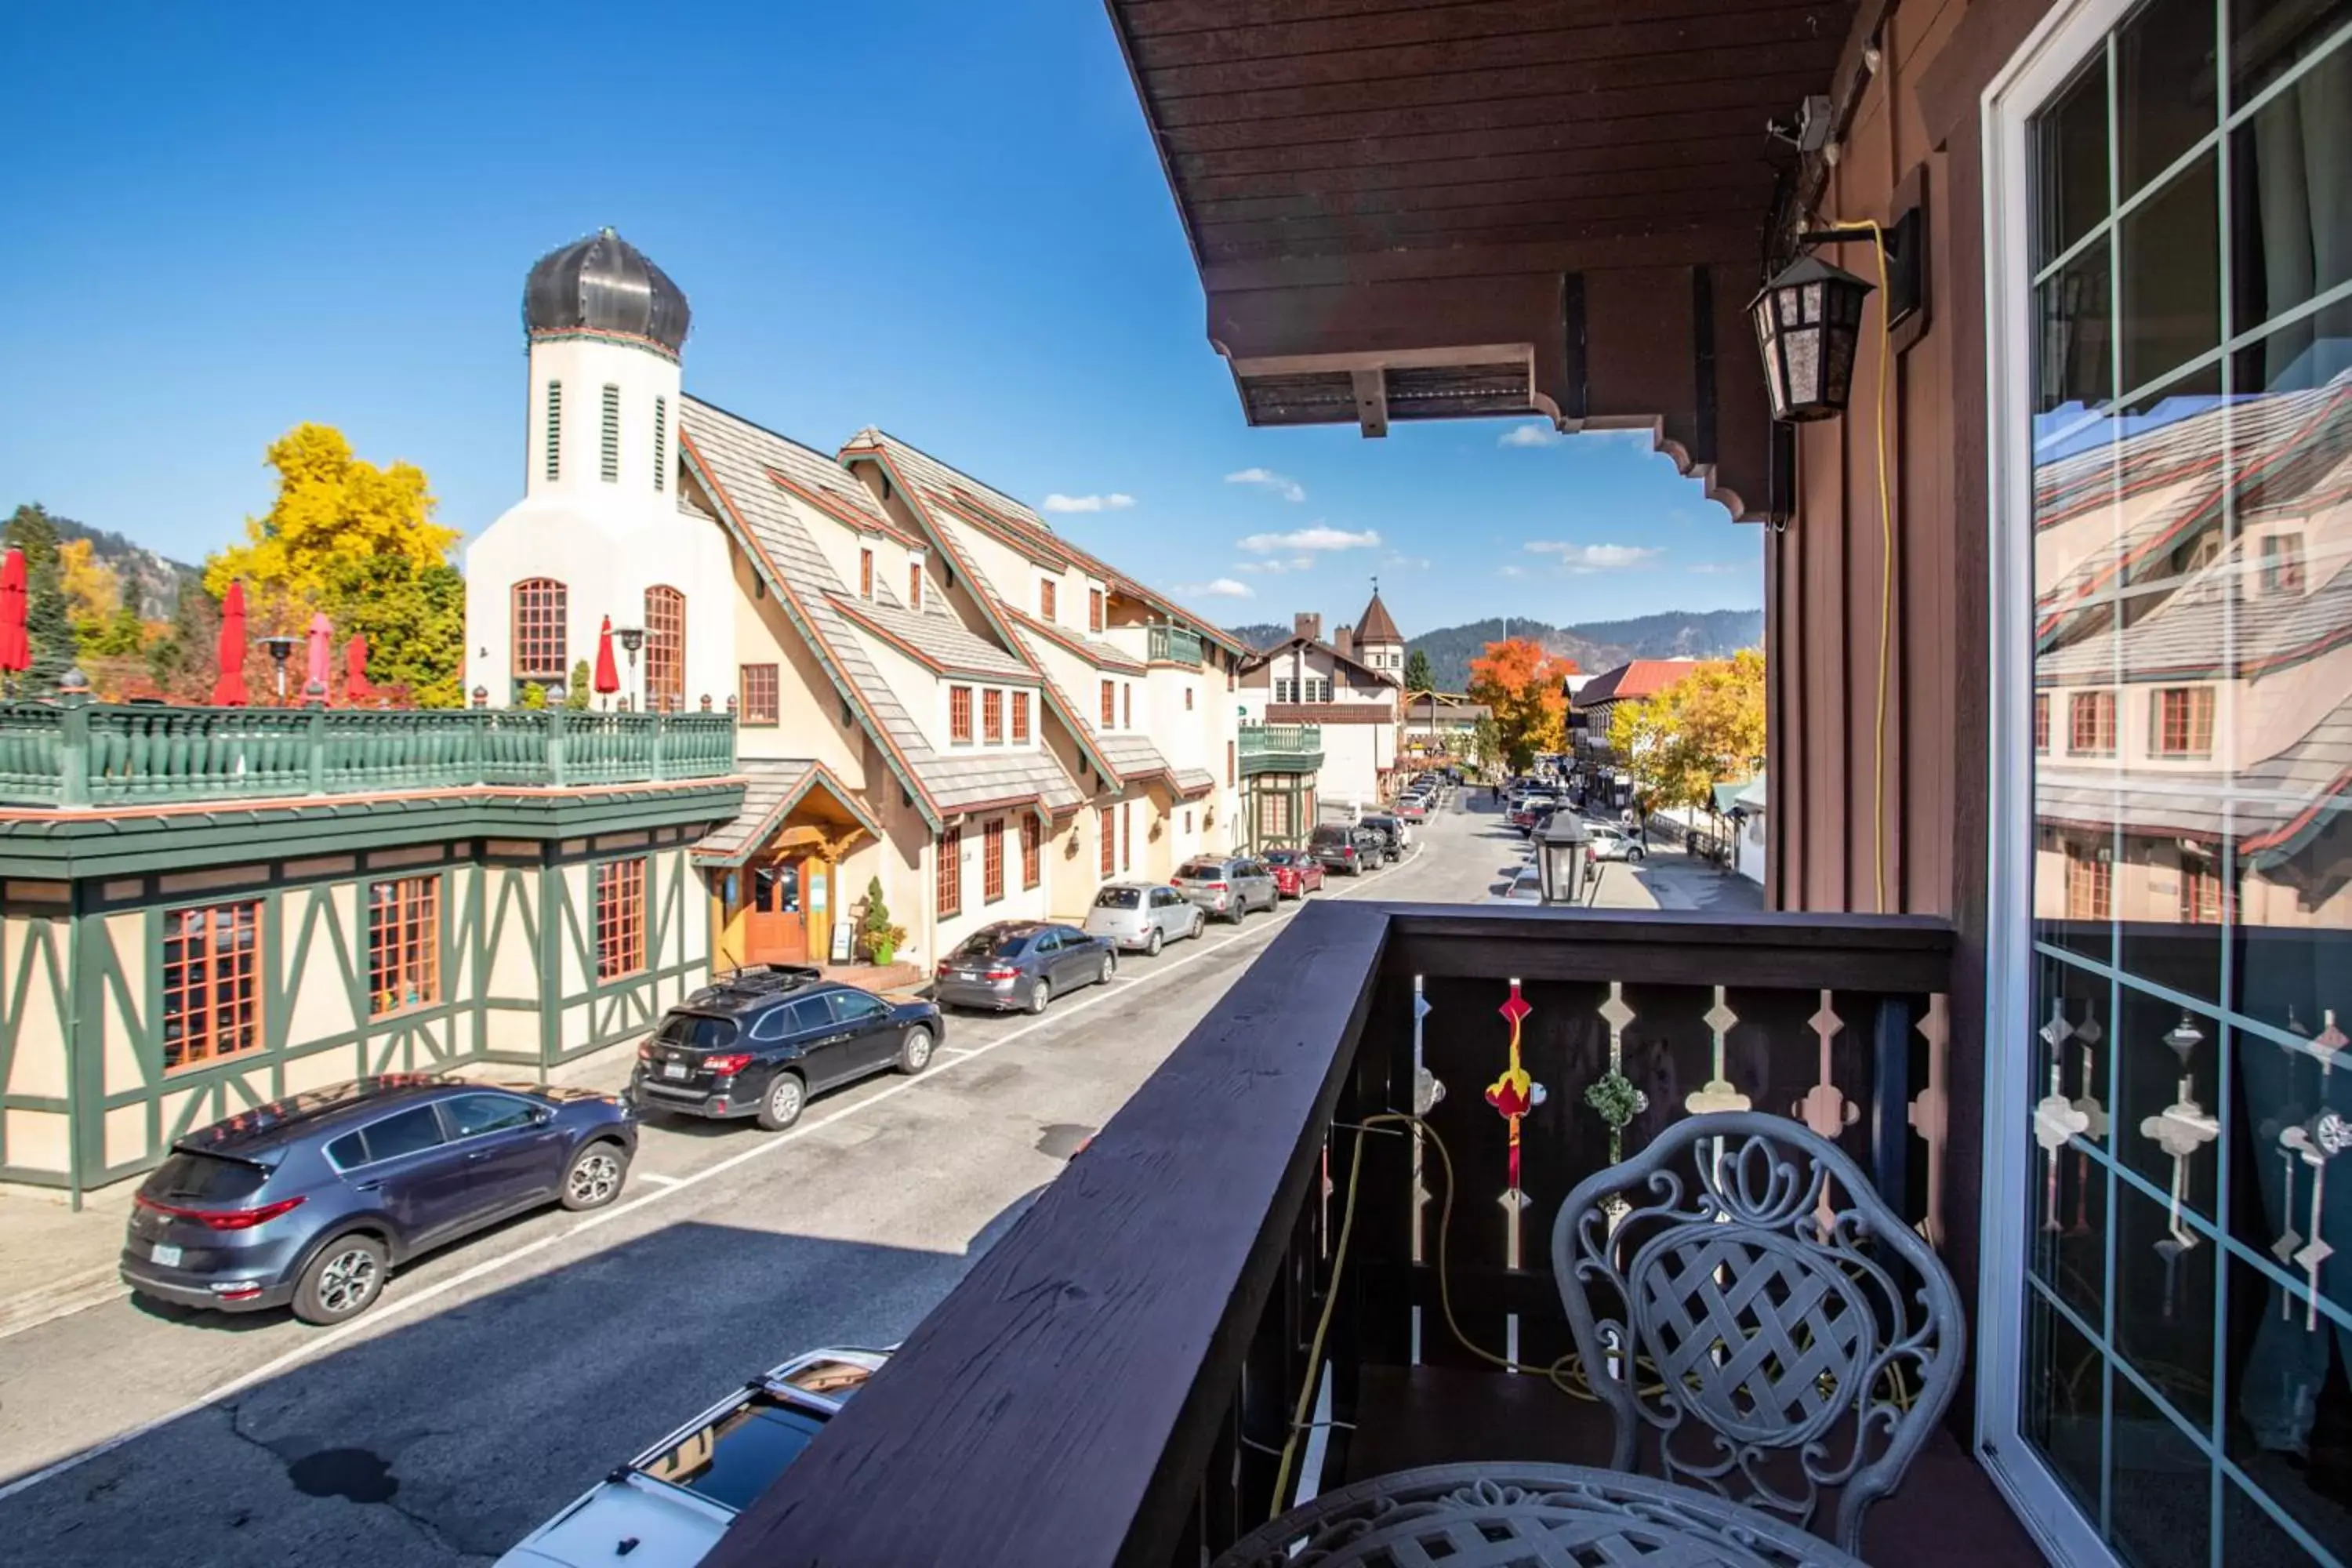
(87, 754)
(1173, 644)
(1281, 748)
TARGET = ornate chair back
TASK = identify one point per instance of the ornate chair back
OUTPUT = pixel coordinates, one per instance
(1741, 1294)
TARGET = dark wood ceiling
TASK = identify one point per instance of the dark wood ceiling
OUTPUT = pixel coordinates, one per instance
(1386, 197)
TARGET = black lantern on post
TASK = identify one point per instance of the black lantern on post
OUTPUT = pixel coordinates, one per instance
(1560, 857)
(1807, 320)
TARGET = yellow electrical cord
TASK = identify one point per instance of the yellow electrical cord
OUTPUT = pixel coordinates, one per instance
(1885, 575)
(1567, 1373)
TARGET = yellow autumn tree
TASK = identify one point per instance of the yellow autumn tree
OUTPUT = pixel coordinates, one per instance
(1705, 730)
(93, 593)
(334, 513)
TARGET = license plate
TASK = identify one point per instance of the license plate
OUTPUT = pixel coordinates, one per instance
(673, 1069)
(164, 1254)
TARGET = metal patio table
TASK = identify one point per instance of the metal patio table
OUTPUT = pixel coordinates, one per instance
(1491, 1515)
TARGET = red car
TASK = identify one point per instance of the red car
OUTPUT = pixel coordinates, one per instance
(1295, 872)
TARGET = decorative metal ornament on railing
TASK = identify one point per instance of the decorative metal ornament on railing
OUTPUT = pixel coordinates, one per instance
(1426, 1093)
(2316, 1141)
(1513, 1095)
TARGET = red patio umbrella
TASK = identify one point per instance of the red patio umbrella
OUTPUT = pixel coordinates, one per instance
(608, 674)
(321, 653)
(228, 690)
(355, 681)
(16, 647)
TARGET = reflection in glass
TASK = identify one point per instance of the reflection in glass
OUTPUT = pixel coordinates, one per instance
(2162, 1487)
(2165, 97)
(2073, 150)
(2291, 177)
(2076, 365)
(2065, 1393)
(2172, 275)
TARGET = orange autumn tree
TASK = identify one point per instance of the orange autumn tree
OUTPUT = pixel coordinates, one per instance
(1524, 684)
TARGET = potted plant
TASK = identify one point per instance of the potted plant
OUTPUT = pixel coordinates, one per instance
(880, 939)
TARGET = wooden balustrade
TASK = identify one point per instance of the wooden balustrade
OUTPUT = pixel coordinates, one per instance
(1112, 1382)
(85, 755)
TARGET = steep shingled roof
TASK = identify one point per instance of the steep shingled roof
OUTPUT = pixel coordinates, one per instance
(741, 463)
(1631, 682)
(1375, 625)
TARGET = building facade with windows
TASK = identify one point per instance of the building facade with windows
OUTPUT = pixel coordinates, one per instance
(204, 909)
(940, 698)
(1335, 687)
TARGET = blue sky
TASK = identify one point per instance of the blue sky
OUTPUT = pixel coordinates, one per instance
(945, 219)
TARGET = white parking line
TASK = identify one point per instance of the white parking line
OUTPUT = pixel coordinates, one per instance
(394, 1307)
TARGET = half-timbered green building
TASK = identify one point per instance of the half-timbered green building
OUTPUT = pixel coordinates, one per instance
(203, 909)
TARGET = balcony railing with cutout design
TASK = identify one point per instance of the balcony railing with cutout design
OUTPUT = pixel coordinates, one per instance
(1173, 644)
(105, 755)
(1281, 748)
(1116, 1380)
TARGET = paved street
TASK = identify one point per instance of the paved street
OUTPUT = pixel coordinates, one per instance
(502, 1377)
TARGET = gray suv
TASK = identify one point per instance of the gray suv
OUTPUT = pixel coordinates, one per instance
(1228, 888)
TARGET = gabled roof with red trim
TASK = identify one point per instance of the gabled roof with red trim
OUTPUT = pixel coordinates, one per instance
(1643, 678)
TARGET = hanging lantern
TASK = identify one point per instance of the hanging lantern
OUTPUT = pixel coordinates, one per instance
(1806, 321)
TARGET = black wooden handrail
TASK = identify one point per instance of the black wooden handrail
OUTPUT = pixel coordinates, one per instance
(1059, 1407)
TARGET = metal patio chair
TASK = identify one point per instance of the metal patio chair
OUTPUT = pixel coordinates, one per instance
(1741, 1277)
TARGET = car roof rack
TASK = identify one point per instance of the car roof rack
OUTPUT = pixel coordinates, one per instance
(758, 978)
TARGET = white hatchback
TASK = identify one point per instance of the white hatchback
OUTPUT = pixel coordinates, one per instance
(667, 1507)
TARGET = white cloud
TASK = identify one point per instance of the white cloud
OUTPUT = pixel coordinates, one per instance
(1583, 558)
(1536, 435)
(1512, 571)
(1719, 569)
(1321, 536)
(1114, 501)
(1296, 564)
(1219, 588)
(1282, 485)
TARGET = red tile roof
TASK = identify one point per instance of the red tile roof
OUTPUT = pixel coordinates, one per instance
(1631, 683)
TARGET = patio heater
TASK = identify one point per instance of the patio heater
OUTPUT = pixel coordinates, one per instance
(282, 649)
(632, 639)
(1560, 859)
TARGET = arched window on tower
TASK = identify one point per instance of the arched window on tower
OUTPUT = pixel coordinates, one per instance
(665, 649)
(541, 606)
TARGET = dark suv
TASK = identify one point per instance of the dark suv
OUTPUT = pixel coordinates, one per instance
(759, 1042)
(1346, 850)
(310, 1201)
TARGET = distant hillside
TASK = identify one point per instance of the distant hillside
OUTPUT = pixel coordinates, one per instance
(1261, 634)
(1596, 645)
(150, 580)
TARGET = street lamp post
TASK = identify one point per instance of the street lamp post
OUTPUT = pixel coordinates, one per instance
(1562, 848)
(632, 639)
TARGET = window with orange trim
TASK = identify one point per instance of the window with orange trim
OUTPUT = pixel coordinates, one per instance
(959, 714)
(403, 944)
(2089, 885)
(212, 983)
(1110, 704)
(950, 873)
(992, 716)
(1044, 599)
(1126, 705)
(2183, 722)
(1108, 821)
(865, 573)
(992, 861)
(2200, 893)
(540, 606)
(2042, 720)
(620, 900)
(1094, 609)
(1020, 717)
(1032, 845)
(759, 694)
(665, 649)
(914, 584)
(2091, 724)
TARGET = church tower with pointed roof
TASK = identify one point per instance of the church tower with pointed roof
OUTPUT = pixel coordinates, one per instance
(1377, 641)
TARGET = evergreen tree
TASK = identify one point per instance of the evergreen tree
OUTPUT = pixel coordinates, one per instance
(182, 660)
(48, 623)
(1416, 672)
(576, 694)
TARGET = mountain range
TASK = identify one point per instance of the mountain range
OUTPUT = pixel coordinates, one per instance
(1596, 645)
(150, 580)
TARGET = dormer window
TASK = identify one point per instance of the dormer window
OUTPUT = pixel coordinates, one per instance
(1094, 609)
(1045, 600)
(2282, 573)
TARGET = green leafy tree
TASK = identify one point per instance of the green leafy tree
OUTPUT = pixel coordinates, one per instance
(413, 618)
(1485, 741)
(1705, 730)
(48, 621)
(576, 694)
(880, 939)
(122, 634)
(1416, 672)
(533, 695)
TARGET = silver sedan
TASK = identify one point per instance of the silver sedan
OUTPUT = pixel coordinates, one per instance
(1141, 916)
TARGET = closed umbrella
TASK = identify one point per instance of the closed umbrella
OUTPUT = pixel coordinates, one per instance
(16, 647)
(321, 652)
(228, 688)
(355, 681)
(608, 674)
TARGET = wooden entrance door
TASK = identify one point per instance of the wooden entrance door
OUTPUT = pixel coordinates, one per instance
(776, 924)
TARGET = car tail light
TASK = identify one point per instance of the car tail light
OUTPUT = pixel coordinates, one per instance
(645, 1052)
(728, 1065)
(221, 1219)
(1001, 974)
(943, 970)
